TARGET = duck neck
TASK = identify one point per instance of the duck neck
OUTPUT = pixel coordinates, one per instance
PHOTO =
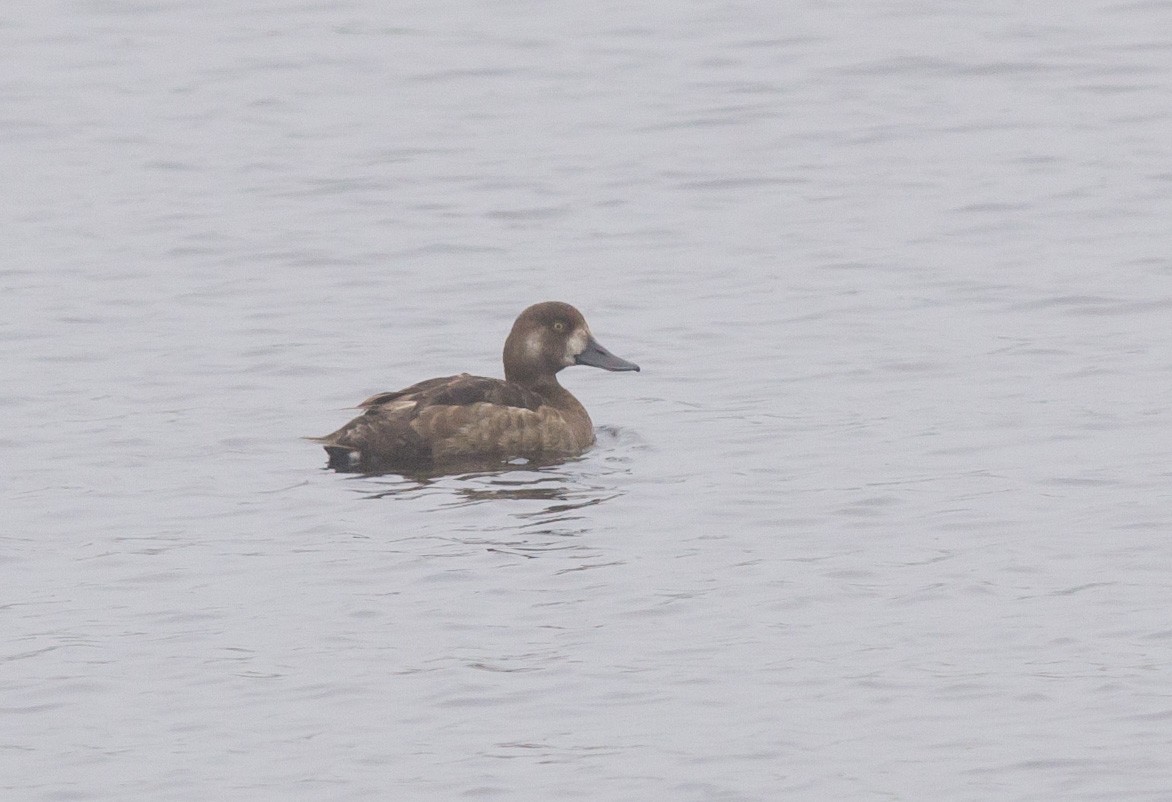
(548, 388)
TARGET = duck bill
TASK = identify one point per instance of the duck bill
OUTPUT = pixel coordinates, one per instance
(598, 357)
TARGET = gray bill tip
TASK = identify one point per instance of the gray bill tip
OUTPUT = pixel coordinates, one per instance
(596, 356)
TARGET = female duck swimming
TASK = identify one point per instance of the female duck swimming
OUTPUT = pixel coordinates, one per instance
(466, 418)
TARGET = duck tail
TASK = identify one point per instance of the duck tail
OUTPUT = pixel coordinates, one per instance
(343, 458)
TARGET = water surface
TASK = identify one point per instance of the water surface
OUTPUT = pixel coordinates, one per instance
(885, 516)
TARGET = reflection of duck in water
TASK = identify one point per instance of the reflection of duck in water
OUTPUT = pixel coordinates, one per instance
(461, 418)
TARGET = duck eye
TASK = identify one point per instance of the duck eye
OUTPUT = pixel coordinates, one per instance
(559, 327)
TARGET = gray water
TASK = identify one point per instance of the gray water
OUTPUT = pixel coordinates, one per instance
(885, 516)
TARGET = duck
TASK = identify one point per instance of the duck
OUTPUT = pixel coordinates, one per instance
(466, 418)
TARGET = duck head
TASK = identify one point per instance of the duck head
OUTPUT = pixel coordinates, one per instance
(550, 336)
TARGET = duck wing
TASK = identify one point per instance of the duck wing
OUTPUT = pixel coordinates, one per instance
(465, 390)
(461, 390)
(404, 427)
(378, 399)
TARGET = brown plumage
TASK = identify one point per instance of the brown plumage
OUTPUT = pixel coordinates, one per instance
(472, 418)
